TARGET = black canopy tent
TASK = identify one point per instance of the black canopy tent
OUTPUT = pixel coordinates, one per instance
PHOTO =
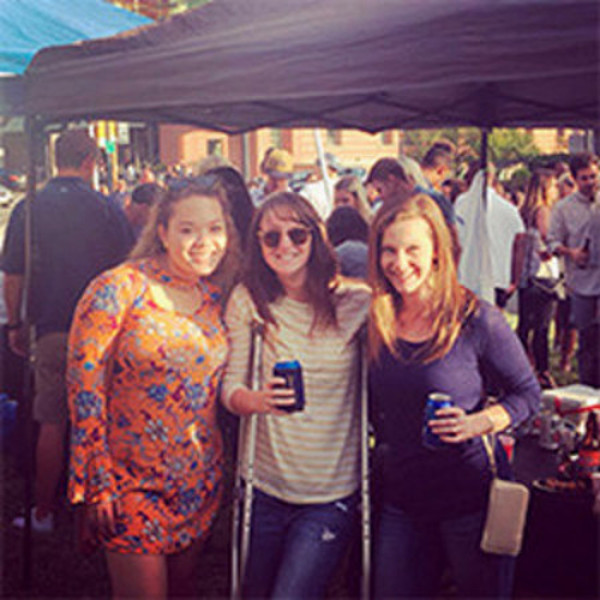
(367, 64)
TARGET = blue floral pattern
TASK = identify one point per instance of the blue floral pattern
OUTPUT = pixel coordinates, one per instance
(143, 384)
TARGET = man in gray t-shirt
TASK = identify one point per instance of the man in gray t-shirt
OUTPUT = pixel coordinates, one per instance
(574, 234)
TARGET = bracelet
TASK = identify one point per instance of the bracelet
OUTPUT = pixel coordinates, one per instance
(14, 326)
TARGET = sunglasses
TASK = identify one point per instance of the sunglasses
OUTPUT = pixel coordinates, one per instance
(206, 182)
(297, 235)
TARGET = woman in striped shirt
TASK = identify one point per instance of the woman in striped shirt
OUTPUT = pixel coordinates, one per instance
(307, 462)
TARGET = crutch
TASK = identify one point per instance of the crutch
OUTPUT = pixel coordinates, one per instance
(246, 441)
(364, 469)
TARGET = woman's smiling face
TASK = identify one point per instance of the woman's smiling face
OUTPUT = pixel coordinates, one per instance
(289, 257)
(195, 237)
(407, 255)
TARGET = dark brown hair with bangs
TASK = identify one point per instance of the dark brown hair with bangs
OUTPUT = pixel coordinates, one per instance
(264, 285)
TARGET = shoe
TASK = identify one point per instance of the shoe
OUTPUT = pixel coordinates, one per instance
(45, 525)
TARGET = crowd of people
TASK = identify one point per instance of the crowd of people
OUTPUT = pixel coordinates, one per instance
(144, 306)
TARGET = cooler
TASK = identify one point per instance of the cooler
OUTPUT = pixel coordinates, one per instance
(572, 403)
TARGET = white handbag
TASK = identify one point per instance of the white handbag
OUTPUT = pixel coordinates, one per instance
(506, 513)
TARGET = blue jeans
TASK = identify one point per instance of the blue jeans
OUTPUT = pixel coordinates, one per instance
(410, 555)
(295, 548)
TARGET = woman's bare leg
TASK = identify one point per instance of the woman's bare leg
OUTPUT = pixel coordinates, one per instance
(138, 575)
(182, 571)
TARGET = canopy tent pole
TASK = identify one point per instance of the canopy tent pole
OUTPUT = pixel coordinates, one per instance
(33, 131)
(596, 141)
(246, 166)
(484, 162)
(324, 172)
(486, 281)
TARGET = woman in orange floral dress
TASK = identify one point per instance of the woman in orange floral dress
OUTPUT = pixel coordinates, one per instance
(147, 349)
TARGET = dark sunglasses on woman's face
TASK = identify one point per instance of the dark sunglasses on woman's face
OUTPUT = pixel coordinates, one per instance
(296, 235)
(202, 181)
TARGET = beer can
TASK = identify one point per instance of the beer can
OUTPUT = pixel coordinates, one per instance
(435, 401)
(291, 371)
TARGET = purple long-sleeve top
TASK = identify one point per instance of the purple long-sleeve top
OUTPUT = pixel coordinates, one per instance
(454, 480)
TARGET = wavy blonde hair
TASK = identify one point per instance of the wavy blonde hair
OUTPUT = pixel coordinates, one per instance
(451, 303)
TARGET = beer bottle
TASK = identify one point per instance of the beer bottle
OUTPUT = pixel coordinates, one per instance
(589, 449)
(586, 248)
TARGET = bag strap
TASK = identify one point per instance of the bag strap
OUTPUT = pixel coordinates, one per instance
(488, 443)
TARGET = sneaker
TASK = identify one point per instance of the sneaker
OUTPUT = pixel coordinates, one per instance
(45, 525)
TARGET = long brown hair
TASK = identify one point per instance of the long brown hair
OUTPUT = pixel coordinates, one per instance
(451, 302)
(264, 285)
(538, 194)
(150, 244)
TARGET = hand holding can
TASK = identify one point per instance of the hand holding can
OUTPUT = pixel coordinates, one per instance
(291, 372)
(435, 402)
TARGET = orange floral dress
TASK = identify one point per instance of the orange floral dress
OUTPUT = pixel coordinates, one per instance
(142, 383)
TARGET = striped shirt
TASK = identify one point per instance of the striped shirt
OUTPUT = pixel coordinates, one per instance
(310, 456)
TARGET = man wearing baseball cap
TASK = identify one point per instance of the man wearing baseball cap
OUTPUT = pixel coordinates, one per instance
(278, 166)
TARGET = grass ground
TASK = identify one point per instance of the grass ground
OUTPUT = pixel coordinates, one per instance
(58, 570)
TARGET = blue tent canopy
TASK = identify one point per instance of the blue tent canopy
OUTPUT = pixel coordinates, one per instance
(27, 26)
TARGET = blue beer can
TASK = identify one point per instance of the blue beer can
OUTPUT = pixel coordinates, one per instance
(8, 414)
(435, 401)
(291, 371)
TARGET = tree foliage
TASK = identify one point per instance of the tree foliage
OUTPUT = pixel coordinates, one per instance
(505, 145)
(509, 145)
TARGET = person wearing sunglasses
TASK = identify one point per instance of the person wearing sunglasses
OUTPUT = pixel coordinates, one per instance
(306, 465)
(147, 349)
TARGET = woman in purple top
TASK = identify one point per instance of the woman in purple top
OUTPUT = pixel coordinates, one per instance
(427, 334)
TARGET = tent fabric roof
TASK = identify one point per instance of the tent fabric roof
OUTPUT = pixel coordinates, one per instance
(26, 27)
(367, 64)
